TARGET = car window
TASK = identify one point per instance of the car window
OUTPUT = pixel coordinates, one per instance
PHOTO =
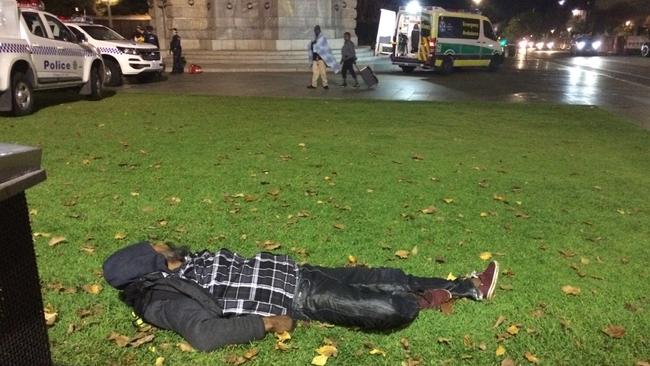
(455, 27)
(34, 24)
(488, 31)
(60, 31)
(101, 33)
(77, 33)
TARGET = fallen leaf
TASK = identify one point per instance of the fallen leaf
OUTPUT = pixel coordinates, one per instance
(442, 340)
(414, 251)
(56, 240)
(339, 226)
(402, 254)
(319, 360)
(185, 347)
(642, 363)
(160, 361)
(614, 331)
(93, 289)
(174, 200)
(284, 336)
(508, 362)
(447, 308)
(377, 351)
(120, 340)
(271, 245)
(513, 329)
(88, 248)
(429, 210)
(302, 144)
(486, 256)
(451, 277)
(570, 290)
(417, 157)
(251, 353)
(448, 200)
(281, 346)
(405, 343)
(352, 260)
(484, 214)
(566, 253)
(51, 316)
(45, 235)
(506, 287)
(531, 357)
(140, 339)
(327, 350)
(499, 321)
(120, 236)
(500, 351)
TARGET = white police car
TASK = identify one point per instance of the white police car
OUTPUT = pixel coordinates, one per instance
(121, 56)
(38, 52)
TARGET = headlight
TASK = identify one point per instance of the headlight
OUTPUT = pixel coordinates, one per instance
(531, 44)
(128, 51)
(523, 43)
(580, 45)
(539, 45)
(596, 45)
(550, 45)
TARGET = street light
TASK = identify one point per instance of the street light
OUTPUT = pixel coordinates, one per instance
(477, 2)
(413, 7)
(628, 23)
(576, 12)
(552, 31)
(569, 29)
(561, 2)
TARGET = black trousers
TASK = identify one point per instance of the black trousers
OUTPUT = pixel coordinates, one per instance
(348, 65)
(178, 62)
(371, 299)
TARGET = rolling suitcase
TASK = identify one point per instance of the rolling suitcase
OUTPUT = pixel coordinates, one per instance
(368, 76)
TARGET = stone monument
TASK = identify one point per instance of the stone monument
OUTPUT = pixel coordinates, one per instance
(270, 25)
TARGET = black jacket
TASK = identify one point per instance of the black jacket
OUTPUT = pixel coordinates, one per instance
(186, 308)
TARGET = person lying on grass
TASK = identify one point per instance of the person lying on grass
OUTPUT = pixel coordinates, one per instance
(217, 298)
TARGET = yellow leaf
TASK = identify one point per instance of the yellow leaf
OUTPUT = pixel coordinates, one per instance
(486, 256)
(513, 329)
(251, 353)
(448, 200)
(160, 361)
(414, 251)
(327, 350)
(339, 226)
(281, 346)
(284, 336)
(402, 254)
(120, 236)
(352, 259)
(93, 289)
(377, 351)
(501, 350)
(531, 357)
(174, 200)
(302, 144)
(50, 316)
(429, 210)
(185, 347)
(56, 240)
(484, 214)
(451, 277)
(120, 340)
(570, 290)
(319, 360)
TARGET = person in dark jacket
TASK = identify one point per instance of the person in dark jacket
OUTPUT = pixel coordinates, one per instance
(348, 58)
(151, 37)
(177, 51)
(217, 298)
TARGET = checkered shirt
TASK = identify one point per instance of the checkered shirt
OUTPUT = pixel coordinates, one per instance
(263, 285)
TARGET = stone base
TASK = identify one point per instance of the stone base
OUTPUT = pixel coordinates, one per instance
(252, 45)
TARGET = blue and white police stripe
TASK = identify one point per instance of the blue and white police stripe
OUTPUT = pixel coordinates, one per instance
(109, 50)
(13, 48)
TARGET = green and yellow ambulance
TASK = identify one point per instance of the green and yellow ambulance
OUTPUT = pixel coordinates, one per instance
(432, 37)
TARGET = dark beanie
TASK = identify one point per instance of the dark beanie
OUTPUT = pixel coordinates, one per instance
(131, 263)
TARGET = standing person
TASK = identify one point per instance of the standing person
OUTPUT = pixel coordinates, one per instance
(150, 36)
(176, 49)
(138, 36)
(348, 59)
(215, 298)
(320, 56)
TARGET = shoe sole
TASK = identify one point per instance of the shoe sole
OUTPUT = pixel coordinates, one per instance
(493, 285)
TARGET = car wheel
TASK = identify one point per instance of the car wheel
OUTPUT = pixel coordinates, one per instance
(22, 93)
(113, 73)
(447, 66)
(96, 84)
(495, 63)
(645, 50)
(407, 69)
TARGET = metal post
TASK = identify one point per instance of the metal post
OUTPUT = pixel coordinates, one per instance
(110, 16)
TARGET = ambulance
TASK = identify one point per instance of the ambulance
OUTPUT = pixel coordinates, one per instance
(435, 38)
(38, 52)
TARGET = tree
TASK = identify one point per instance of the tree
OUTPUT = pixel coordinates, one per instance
(67, 7)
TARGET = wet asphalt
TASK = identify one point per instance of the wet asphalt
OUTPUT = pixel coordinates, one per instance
(617, 84)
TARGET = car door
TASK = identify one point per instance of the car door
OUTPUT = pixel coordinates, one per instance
(488, 40)
(42, 51)
(68, 50)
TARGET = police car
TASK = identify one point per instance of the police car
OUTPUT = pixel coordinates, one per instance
(38, 52)
(121, 56)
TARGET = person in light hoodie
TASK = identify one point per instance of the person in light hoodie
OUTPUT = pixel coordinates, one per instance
(320, 57)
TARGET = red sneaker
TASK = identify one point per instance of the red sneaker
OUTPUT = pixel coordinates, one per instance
(433, 298)
(489, 280)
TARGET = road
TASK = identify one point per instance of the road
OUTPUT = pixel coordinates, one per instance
(620, 85)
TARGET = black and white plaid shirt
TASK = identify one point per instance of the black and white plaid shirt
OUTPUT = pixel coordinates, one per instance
(263, 285)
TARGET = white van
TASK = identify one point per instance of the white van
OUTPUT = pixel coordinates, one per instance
(432, 37)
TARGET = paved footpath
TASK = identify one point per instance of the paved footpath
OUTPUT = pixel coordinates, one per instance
(617, 84)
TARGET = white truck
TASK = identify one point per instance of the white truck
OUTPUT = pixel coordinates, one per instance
(122, 57)
(38, 52)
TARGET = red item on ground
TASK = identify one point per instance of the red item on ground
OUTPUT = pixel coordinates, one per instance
(195, 69)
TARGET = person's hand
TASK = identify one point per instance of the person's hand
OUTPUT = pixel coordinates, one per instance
(278, 324)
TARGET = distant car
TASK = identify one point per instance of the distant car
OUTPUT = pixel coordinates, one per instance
(585, 46)
(645, 49)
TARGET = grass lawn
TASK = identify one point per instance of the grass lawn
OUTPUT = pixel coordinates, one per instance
(559, 195)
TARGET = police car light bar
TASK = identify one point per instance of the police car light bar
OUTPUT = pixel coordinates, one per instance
(31, 4)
